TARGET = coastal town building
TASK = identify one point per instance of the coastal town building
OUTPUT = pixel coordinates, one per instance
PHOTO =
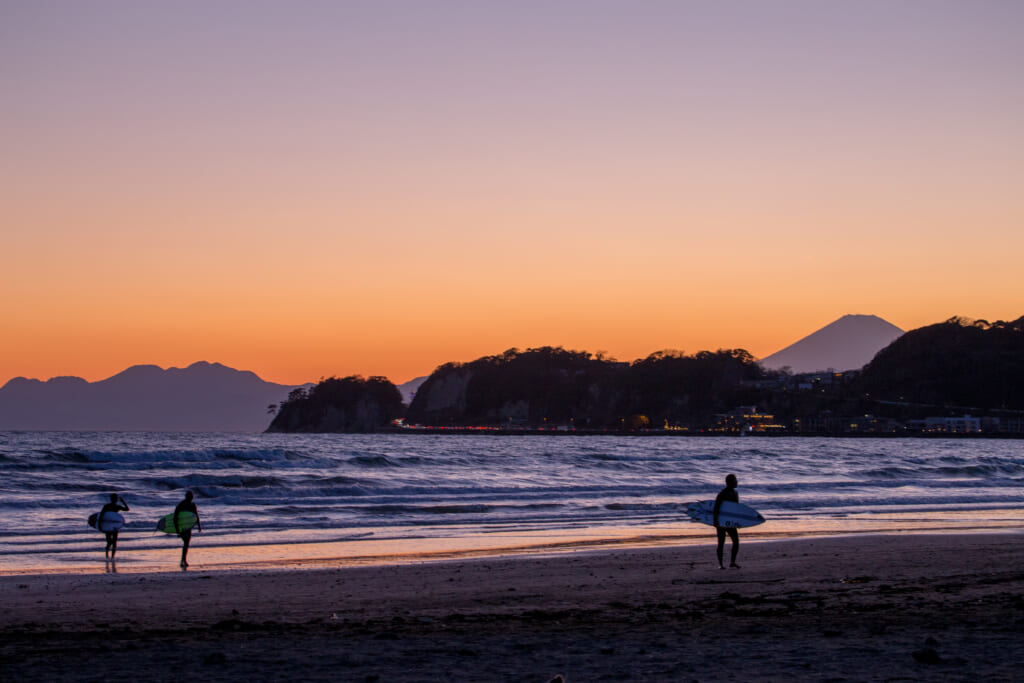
(964, 424)
(747, 420)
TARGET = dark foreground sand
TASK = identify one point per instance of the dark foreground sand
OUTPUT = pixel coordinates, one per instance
(914, 607)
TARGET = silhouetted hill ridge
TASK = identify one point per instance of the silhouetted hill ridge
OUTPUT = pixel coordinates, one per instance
(959, 362)
(944, 369)
(202, 397)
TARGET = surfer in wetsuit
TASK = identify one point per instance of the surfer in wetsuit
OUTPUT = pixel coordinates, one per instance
(186, 534)
(727, 494)
(111, 535)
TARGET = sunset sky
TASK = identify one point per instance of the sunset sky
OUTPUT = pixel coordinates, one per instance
(317, 188)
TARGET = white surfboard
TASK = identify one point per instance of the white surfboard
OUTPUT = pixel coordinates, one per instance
(735, 515)
(111, 521)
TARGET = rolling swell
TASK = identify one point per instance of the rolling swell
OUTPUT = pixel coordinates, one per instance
(426, 486)
(967, 470)
(220, 482)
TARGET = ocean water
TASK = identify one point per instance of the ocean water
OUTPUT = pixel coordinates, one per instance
(335, 499)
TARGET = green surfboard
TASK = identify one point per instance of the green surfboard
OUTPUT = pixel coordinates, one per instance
(166, 523)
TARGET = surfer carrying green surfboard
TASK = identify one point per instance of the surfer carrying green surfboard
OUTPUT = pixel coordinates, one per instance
(727, 494)
(111, 534)
(186, 534)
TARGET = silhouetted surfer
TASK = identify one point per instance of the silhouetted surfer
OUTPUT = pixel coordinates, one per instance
(112, 506)
(727, 494)
(186, 534)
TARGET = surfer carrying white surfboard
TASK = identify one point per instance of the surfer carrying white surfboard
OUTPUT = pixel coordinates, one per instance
(186, 533)
(727, 494)
(112, 507)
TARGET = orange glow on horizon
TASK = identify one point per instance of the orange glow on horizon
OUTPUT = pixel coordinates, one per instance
(388, 191)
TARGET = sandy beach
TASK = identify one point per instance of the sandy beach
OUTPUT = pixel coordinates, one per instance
(868, 607)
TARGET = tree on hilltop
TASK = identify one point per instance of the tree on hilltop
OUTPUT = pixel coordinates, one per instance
(349, 404)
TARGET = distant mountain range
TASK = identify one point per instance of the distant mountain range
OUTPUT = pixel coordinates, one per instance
(846, 344)
(210, 397)
(204, 397)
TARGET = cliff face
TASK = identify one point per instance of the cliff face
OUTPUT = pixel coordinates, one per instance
(534, 386)
(443, 395)
(552, 386)
(344, 405)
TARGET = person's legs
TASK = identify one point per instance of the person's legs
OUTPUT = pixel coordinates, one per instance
(735, 536)
(721, 545)
(186, 536)
(111, 544)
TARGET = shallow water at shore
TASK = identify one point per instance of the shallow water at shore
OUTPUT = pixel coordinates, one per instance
(294, 500)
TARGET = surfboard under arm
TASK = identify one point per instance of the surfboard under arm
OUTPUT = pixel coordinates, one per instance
(166, 523)
(735, 515)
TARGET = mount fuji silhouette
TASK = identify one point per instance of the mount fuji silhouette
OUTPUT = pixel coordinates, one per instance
(846, 344)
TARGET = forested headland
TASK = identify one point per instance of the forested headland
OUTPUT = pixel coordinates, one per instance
(349, 404)
(948, 369)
